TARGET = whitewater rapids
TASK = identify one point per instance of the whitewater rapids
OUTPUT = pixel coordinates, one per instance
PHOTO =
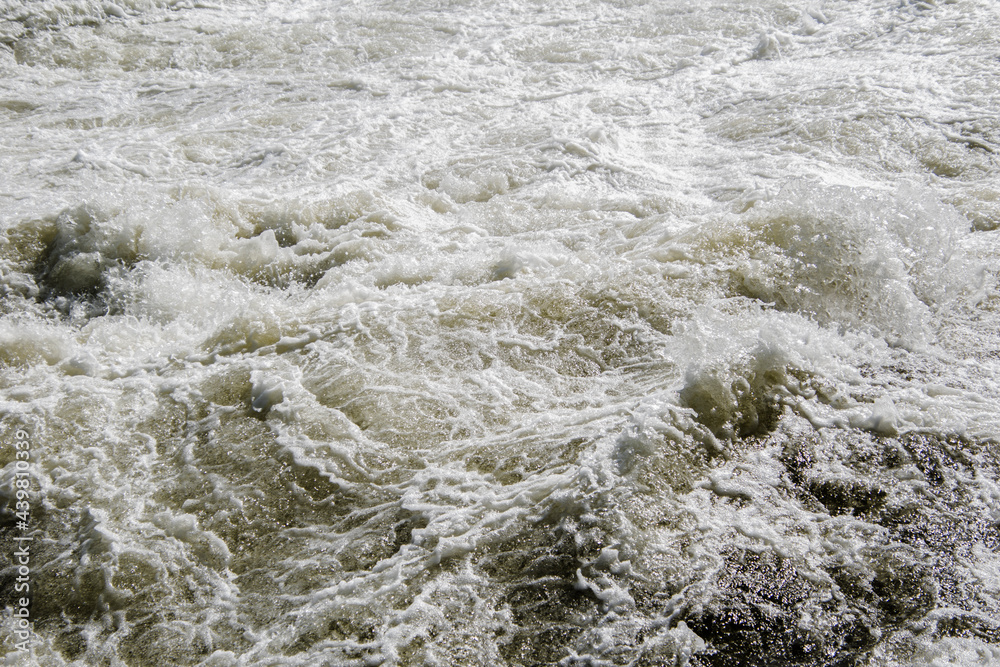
(416, 332)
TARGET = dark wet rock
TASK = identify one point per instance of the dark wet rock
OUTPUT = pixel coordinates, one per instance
(844, 496)
(917, 574)
(745, 634)
(546, 646)
(915, 486)
(905, 589)
(890, 584)
(969, 626)
(752, 615)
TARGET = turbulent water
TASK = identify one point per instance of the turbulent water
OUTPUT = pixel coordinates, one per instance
(430, 332)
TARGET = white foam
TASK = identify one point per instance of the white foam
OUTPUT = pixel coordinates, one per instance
(350, 329)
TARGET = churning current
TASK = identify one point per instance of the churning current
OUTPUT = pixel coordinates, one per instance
(476, 333)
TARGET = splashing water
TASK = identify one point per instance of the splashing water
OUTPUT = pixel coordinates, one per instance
(416, 333)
